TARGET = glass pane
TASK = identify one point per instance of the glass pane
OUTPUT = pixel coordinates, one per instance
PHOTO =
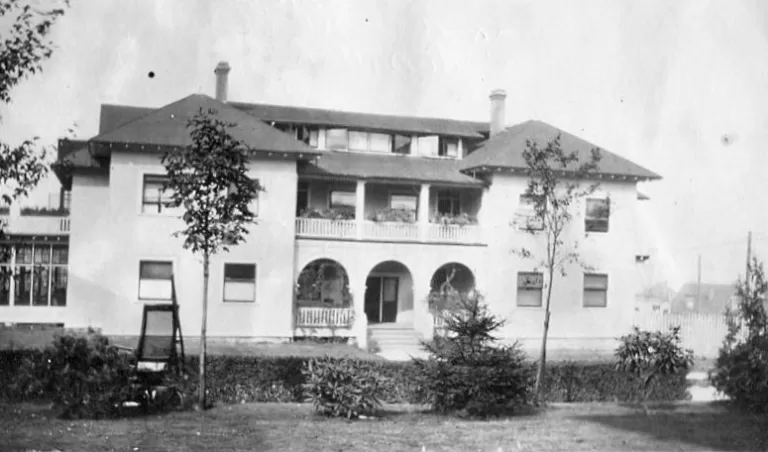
(152, 187)
(40, 289)
(336, 139)
(313, 138)
(6, 252)
(530, 280)
(155, 270)
(240, 272)
(428, 145)
(239, 291)
(24, 254)
(5, 285)
(381, 142)
(342, 199)
(154, 289)
(23, 286)
(358, 141)
(595, 298)
(598, 208)
(406, 202)
(596, 282)
(42, 254)
(529, 297)
(390, 289)
(452, 148)
(402, 144)
(60, 254)
(59, 289)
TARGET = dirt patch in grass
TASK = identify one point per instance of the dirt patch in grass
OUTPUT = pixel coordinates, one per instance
(283, 427)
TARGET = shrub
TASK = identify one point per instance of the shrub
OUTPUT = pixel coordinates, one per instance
(467, 373)
(84, 376)
(650, 355)
(341, 388)
(741, 368)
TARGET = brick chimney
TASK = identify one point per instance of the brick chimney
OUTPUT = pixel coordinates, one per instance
(498, 100)
(222, 75)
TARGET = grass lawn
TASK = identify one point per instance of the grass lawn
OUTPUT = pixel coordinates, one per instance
(283, 427)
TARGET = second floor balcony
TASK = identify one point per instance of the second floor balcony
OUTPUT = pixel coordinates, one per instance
(35, 222)
(388, 212)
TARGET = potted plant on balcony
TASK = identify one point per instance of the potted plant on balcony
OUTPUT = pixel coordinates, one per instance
(328, 214)
(390, 215)
(461, 219)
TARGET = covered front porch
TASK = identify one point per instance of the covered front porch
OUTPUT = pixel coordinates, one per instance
(388, 211)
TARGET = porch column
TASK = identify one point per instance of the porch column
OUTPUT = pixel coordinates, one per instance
(423, 212)
(360, 325)
(360, 207)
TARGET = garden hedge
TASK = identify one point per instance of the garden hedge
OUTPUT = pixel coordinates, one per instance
(240, 379)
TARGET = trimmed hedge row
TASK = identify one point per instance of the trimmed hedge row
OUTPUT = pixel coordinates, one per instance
(240, 379)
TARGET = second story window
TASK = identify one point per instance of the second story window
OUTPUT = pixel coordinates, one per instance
(448, 202)
(402, 144)
(342, 200)
(598, 212)
(308, 135)
(449, 147)
(154, 198)
(525, 216)
(337, 139)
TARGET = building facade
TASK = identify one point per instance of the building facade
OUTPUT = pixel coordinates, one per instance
(362, 218)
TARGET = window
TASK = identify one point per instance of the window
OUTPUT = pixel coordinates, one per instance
(23, 275)
(449, 147)
(529, 289)
(41, 275)
(302, 197)
(380, 142)
(525, 216)
(358, 141)
(155, 280)
(402, 144)
(595, 291)
(67, 201)
(448, 202)
(598, 211)
(6, 273)
(154, 198)
(59, 275)
(406, 202)
(342, 199)
(429, 145)
(337, 139)
(34, 275)
(307, 135)
(239, 282)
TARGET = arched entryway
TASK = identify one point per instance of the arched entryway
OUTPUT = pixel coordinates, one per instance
(448, 283)
(323, 283)
(389, 294)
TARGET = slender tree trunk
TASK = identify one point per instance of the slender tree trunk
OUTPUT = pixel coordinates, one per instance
(203, 329)
(543, 355)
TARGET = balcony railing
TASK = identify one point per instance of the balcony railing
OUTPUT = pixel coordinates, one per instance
(324, 317)
(36, 225)
(382, 231)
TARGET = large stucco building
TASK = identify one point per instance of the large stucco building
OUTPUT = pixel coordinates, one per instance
(393, 202)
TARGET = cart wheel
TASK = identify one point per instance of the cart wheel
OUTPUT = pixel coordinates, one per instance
(175, 400)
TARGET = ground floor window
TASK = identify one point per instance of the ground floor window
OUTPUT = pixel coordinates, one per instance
(595, 290)
(34, 274)
(530, 287)
(155, 280)
(240, 282)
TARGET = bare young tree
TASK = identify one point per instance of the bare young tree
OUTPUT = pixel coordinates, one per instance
(209, 179)
(556, 181)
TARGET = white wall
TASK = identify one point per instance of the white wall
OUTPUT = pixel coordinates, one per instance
(110, 236)
(612, 253)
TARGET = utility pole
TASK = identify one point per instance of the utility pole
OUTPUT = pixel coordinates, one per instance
(749, 258)
(698, 287)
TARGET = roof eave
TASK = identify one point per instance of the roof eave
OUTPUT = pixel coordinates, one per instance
(104, 148)
(487, 169)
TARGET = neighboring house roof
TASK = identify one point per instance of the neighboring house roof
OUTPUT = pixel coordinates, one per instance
(713, 298)
(505, 150)
(167, 126)
(367, 121)
(387, 167)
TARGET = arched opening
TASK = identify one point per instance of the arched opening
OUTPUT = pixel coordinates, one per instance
(323, 283)
(449, 283)
(389, 294)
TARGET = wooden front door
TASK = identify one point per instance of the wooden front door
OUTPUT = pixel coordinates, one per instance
(381, 299)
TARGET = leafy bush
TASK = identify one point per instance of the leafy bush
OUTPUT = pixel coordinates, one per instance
(341, 388)
(84, 376)
(467, 373)
(741, 369)
(328, 214)
(462, 219)
(652, 354)
(394, 215)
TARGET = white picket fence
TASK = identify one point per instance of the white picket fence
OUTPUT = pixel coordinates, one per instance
(702, 333)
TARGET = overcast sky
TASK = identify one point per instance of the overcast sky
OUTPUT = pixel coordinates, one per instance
(676, 86)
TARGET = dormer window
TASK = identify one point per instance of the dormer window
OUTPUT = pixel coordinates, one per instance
(308, 135)
(337, 139)
(449, 147)
(370, 141)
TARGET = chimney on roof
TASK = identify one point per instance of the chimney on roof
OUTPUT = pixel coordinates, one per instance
(222, 75)
(498, 101)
